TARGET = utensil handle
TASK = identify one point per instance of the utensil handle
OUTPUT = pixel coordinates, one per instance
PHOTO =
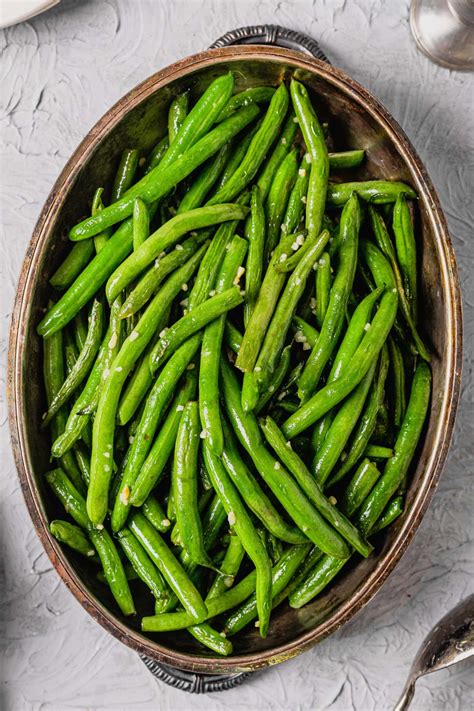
(273, 35)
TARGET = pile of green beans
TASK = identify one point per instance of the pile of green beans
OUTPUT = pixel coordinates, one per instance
(235, 381)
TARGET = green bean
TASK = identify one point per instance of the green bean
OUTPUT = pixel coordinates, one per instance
(405, 445)
(323, 287)
(392, 511)
(280, 151)
(166, 236)
(317, 150)
(330, 395)
(137, 483)
(253, 495)
(170, 568)
(153, 511)
(83, 364)
(304, 332)
(140, 224)
(341, 427)
(170, 510)
(77, 259)
(113, 570)
(359, 486)
(163, 177)
(233, 337)
(283, 486)
(297, 200)
(79, 332)
(73, 537)
(239, 149)
(308, 564)
(276, 334)
(151, 280)
(205, 180)
(208, 636)
(199, 120)
(176, 115)
(366, 426)
(192, 322)
(406, 250)
(142, 564)
(209, 408)
(385, 244)
(377, 192)
(69, 496)
(97, 206)
(279, 375)
(157, 154)
(53, 374)
(398, 382)
(282, 183)
(228, 568)
(346, 159)
(104, 423)
(341, 288)
(321, 575)
(378, 452)
(185, 485)
(254, 95)
(125, 174)
(261, 315)
(83, 461)
(282, 574)
(240, 520)
(255, 234)
(310, 487)
(258, 148)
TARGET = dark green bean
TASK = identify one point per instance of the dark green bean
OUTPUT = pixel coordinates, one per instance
(359, 486)
(125, 174)
(205, 180)
(228, 568)
(241, 522)
(323, 287)
(310, 487)
(281, 149)
(77, 259)
(346, 159)
(279, 374)
(83, 461)
(392, 511)
(375, 191)
(366, 425)
(176, 115)
(254, 95)
(97, 206)
(192, 322)
(69, 496)
(282, 183)
(282, 574)
(73, 537)
(251, 492)
(163, 178)
(341, 288)
(398, 382)
(330, 395)
(255, 234)
(143, 565)
(281, 483)
(405, 445)
(53, 374)
(153, 511)
(113, 569)
(166, 236)
(170, 568)
(406, 249)
(83, 364)
(157, 154)
(258, 148)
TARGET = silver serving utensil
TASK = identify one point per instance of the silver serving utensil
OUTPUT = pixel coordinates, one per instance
(449, 642)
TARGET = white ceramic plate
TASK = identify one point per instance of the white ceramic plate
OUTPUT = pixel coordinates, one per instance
(13, 11)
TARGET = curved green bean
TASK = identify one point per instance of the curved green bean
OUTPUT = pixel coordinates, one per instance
(377, 192)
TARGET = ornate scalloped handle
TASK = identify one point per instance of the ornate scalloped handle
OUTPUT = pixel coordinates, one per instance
(275, 35)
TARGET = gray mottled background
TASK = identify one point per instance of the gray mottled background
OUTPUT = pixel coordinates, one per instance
(59, 73)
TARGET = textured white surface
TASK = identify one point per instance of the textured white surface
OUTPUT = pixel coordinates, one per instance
(59, 73)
